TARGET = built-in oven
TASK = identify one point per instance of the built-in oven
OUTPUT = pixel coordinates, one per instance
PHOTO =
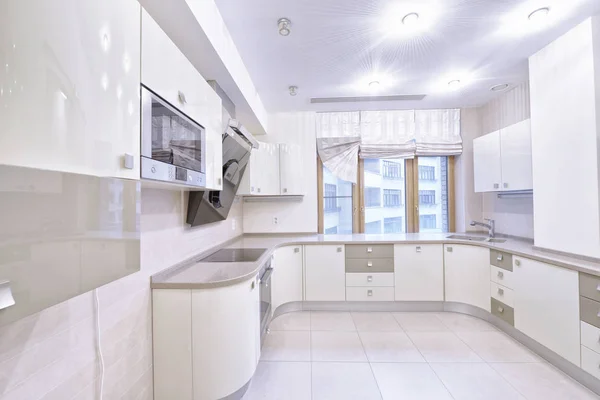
(173, 145)
(265, 296)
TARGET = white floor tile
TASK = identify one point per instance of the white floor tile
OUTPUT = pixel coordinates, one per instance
(467, 381)
(497, 347)
(409, 381)
(280, 381)
(294, 321)
(331, 321)
(420, 322)
(286, 346)
(464, 323)
(375, 322)
(389, 347)
(343, 381)
(443, 347)
(337, 346)
(541, 381)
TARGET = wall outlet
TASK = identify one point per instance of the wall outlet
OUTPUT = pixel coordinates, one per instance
(275, 221)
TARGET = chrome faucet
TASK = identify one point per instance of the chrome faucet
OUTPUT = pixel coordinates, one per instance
(491, 226)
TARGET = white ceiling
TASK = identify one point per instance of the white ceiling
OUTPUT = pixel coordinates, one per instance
(337, 46)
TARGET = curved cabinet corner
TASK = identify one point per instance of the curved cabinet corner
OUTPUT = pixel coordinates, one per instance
(287, 278)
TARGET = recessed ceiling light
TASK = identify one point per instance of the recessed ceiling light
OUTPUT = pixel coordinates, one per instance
(410, 19)
(539, 14)
(293, 90)
(284, 25)
(500, 87)
(374, 85)
(454, 84)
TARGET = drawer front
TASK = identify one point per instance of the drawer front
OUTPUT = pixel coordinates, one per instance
(590, 336)
(590, 361)
(369, 251)
(369, 294)
(383, 279)
(503, 311)
(588, 286)
(502, 294)
(370, 265)
(501, 260)
(589, 310)
(501, 276)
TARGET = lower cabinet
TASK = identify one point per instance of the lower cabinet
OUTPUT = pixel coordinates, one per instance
(324, 273)
(286, 281)
(419, 272)
(467, 275)
(546, 302)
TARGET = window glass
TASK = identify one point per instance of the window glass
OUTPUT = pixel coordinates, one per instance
(433, 194)
(337, 204)
(385, 193)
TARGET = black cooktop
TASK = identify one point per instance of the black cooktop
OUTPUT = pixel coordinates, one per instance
(234, 255)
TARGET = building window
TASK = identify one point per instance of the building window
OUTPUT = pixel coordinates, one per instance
(393, 225)
(392, 170)
(372, 165)
(372, 197)
(392, 198)
(373, 227)
(426, 173)
(330, 198)
(427, 197)
(331, 231)
(427, 221)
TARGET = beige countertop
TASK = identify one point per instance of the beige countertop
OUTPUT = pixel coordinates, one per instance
(202, 275)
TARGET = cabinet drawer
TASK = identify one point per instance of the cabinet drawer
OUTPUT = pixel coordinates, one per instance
(501, 260)
(385, 279)
(503, 311)
(590, 361)
(589, 286)
(501, 276)
(369, 294)
(589, 310)
(502, 294)
(369, 251)
(370, 265)
(590, 336)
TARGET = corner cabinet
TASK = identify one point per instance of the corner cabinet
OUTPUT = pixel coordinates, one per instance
(324, 273)
(467, 275)
(286, 281)
(502, 159)
(69, 99)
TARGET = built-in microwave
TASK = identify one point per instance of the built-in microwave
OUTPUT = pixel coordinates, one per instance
(173, 145)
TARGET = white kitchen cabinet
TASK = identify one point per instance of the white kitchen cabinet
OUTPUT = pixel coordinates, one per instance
(419, 272)
(286, 281)
(546, 306)
(487, 163)
(467, 275)
(69, 85)
(180, 83)
(324, 273)
(262, 173)
(291, 173)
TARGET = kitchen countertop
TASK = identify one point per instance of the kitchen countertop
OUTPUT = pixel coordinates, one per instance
(202, 275)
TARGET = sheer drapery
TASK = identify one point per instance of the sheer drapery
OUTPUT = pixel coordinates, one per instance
(338, 142)
(387, 134)
(437, 133)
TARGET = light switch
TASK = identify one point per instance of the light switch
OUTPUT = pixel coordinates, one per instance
(6, 297)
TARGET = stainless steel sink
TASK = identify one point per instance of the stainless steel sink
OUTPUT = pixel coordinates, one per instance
(492, 240)
(463, 237)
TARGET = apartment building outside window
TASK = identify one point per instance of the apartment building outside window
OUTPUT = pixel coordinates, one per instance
(373, 166)
(426, 173)
(427, 221)
(372, 197)
(329, 198)
(373, 227)
(393, 225)
(391, 169)
(392, 198)
(427, 197)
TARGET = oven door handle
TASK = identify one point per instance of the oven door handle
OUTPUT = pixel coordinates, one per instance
(266, 276)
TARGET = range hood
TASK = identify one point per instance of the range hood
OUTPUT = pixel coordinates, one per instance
(214, 205)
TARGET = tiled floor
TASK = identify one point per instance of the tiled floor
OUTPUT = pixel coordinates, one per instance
(378, 355)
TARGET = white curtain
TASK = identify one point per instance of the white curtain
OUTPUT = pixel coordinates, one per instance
(437, 133)
(338, 142)
(387, 134)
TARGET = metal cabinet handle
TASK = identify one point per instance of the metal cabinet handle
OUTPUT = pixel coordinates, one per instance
(500, 291)
(369, 293)
(252, 285)
(258, 190)
(284, 190)
(369, 249)
(219, 181)
(369, 278)
(500, 310)
(598, 315)
(181, 97)
(598, 288)
(496, 186)
(339, 249)
(369, 263)
(500, 257)
(517, 263)
(449, 249)
(418, 249)
(252, 189)
(297, 250)
(500, 274)
(505, 185)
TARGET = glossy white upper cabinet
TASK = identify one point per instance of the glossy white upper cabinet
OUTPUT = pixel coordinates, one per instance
(291, 172)
(467, 275)
(262, 173)
(69, 85)
(167, 72)
(502, 159)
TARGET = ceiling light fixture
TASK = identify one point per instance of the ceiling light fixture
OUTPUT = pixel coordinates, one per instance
(539, 14)
(293, 90)
(454, 84)
(284, 25)
(374, 85)
(410, 19)
(499, 88)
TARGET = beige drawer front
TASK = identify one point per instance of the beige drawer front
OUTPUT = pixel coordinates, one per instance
(502, 294)
(590, 361)
(383, 279)
(590, 336)
(503, 311)
(501, 260)
(589, 310)
(369, 251)
(370, 265)
(501, 276)
(369, 294)
(588, 286)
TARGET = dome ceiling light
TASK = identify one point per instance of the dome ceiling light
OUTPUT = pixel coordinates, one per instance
(539, 15)
(410, 19)
(499, 88)
(293, 90)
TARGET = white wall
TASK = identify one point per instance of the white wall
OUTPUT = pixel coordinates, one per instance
(565, 101)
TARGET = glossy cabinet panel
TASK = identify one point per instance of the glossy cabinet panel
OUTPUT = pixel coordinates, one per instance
(419, 272)
(467, 275)
(515, 148)
(324, 274)
(291, 171)
(262, 173)
(287, 279)
(69, 85)
(487, 165)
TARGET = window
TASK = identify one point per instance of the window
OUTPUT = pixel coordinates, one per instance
(426, 172)
(337, 205)
(331, 231)
(393, 225)
(330, 198)
(427, 197)
(391, 169)
(372, 197)
(373, 227)
(392, 198)
(373, 166)
(427, 221)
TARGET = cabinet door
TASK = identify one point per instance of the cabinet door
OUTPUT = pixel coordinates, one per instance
(325, 276)
(286, 283)
(290, 170)
(487, 165)
(270, 183)
(419, 272)
(515, 143)
(69, 98)
(547, 306)
(467, 273)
